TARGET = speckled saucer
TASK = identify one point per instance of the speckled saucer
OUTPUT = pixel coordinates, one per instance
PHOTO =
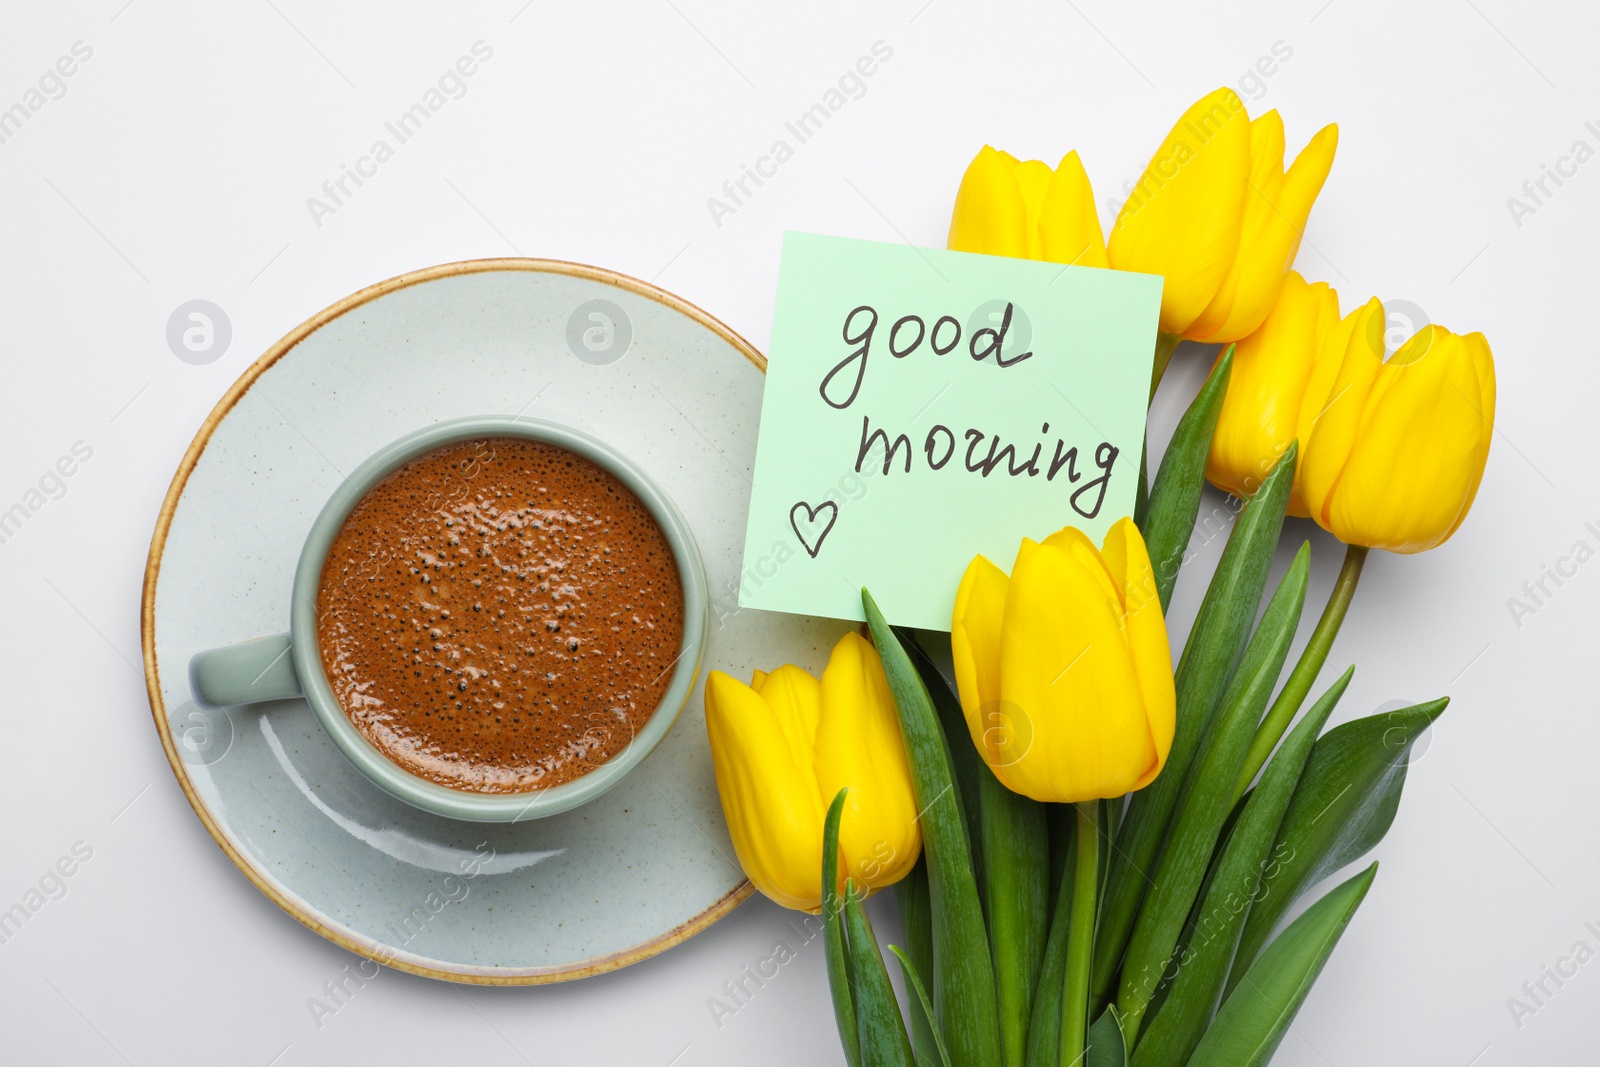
(615, 881)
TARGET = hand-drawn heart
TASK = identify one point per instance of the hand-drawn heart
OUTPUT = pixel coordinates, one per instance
(810, 523)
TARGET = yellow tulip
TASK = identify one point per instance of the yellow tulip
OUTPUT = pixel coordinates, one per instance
(1263, 410)
(1063, 668)
(1007, 207)
(784, 746)
(1276, 207)
(1398, 448)
(1218, 217)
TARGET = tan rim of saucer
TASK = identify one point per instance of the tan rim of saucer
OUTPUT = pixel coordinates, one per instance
(372, 950)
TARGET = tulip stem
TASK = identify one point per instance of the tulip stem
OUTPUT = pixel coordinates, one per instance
(1080, 936)
(1166, 344)
(1294, 692)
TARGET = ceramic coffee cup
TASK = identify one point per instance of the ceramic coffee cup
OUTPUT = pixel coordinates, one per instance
(289, 665)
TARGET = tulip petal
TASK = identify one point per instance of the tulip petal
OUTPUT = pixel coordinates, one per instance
(1145, 630)
(1336, 397)
(975, 647)
(1069, 223)
(773, 810)
(1483, 364)
(1183, 218)
(1033, 179)
(1068, 678)
(795, 700)
(1076, 544)
(859, 747)
(1277, 206)
(1304, 181)
(990, 215)
(1272, 369)
(1245, 277)
(1415, 463)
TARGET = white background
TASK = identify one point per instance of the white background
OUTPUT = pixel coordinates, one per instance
(178, 164)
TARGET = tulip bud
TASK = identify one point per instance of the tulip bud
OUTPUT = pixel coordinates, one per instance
(1276, 207)
(785, 745)
(1263, 409)
(1063, 669)
(1398, 449)
(1006, 207)
(1215, 214)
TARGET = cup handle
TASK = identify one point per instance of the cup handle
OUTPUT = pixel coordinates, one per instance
(262, 669)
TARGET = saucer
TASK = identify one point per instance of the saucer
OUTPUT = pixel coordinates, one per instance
(617, 880)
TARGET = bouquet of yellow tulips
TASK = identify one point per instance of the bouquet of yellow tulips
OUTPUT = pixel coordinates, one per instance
(1094, 853)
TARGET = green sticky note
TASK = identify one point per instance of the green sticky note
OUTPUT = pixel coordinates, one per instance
(925, 406)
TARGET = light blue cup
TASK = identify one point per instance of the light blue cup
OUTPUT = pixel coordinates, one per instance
(289, 665)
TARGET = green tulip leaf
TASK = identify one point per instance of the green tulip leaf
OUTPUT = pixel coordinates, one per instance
(916, 923)
(1233, 882)
(1016, 877)
(1141, 488)
(841, 983)
(1168, 520)
(1257, 1014)
(1207, 798)
(1044, 1024)
(1344, 804)
(914, 983)
(883, 1032)
(916, 907)
(1009, 839)
(1304, 675)
(963, 971)
(1215, 643)
(1011, 858)
(1105, 1046)
(965, 763)
(1061, 822)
